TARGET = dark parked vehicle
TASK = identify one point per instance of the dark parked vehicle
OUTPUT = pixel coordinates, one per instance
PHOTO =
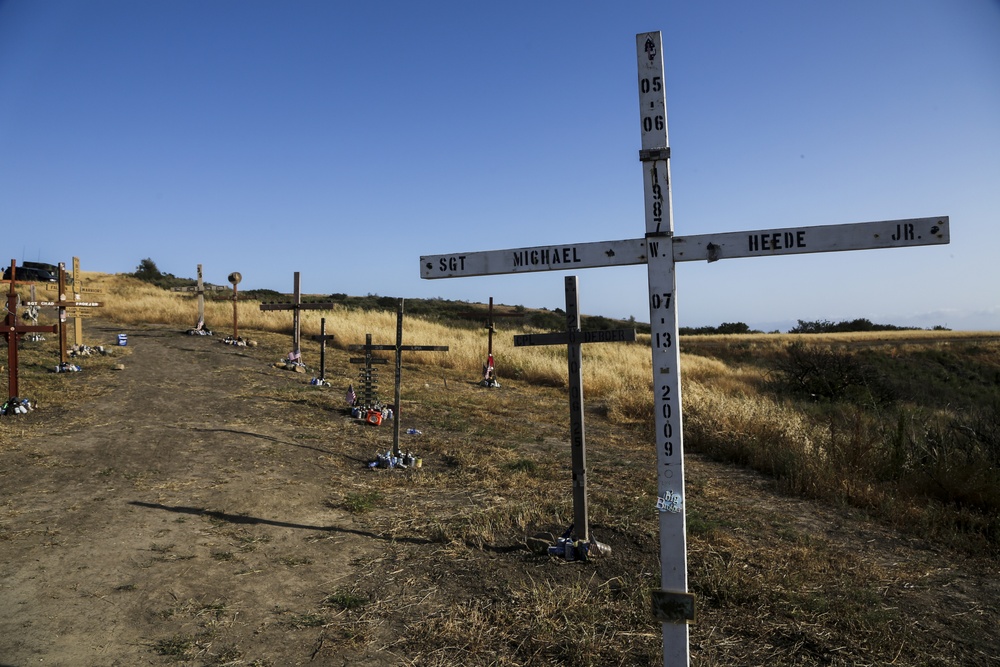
(29, 274)
(51, 268)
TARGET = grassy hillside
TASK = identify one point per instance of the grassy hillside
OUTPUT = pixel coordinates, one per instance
(886, 431)
(903, 424)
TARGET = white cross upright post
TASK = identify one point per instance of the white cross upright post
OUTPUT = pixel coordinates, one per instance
(672, 605)
(659, 249)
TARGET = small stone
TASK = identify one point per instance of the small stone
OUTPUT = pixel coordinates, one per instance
(540, 542)
(119, 367)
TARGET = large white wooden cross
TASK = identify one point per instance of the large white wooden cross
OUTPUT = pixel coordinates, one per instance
(659, 249)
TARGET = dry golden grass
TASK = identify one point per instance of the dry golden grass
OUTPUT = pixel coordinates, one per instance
(607, 368)
(500, 471)
(731, 408)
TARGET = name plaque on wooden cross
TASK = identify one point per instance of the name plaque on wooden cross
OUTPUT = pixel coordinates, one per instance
(12, 331)
(573, 338)
(674, 605)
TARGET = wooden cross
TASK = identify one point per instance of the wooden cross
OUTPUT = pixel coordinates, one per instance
(12, 331)
(295, 307)
(573, 338)
(368, 377)
(489, 372)
(322, 338)
(399, 348)
(78, 289)
(62, 304)
(660, 250)
(199, 289)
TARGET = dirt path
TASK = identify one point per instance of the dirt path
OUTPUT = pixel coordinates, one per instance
(191, 508)
(157, 508)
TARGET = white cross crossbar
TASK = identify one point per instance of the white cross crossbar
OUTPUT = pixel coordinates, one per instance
(700, 247)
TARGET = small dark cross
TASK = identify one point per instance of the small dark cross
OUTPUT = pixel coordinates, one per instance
(572, 338)
(12, 331)
(489, 371)
(62, 304)
(322, 338)
(295, 307)
(369, 379)
(399, 348)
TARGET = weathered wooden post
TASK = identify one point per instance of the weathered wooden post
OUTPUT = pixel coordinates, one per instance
(660, 249)
(573, 338)
(78, 290)
(234, 279)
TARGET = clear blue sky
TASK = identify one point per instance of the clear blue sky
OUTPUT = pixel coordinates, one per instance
(344, 140)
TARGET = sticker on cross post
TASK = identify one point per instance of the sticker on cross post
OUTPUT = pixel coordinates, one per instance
(670, 502)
